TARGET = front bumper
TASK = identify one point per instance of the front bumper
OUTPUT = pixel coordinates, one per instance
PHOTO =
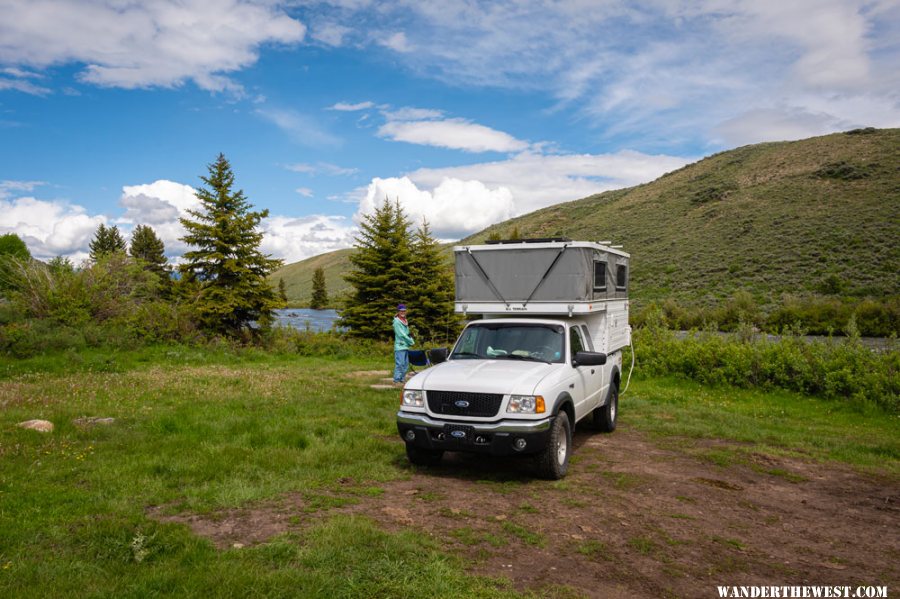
(495, 438)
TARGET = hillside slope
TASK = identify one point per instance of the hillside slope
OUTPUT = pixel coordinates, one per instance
(298, 276)
(820, 215)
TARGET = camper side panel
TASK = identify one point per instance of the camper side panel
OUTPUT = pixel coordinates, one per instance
(514, 275)
(609, 330)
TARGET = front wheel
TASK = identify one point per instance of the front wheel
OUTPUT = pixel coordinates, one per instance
(423, 457)
(553, 462)
(605, 415)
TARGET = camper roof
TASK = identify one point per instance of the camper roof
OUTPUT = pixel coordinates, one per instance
(552, 242)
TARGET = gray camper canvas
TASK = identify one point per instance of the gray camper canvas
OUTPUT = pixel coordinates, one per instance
(547, 277)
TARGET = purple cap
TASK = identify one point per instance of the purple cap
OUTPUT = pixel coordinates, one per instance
(401, 307)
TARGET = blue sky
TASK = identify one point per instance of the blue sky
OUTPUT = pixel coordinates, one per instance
(466, 112)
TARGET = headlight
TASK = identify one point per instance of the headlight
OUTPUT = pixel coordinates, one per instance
(413, 397)
(526, 404)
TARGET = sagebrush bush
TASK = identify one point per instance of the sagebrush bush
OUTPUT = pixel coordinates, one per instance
(839, 369)
(813, 315)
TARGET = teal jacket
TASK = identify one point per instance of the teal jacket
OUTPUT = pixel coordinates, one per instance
(402, 340)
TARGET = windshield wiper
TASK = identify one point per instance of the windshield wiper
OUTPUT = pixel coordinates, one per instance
(521, 357)
(464, 353)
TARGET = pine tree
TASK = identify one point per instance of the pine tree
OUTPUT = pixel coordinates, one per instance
(282, 291)
(107, 240)
(319, 293)
(380, 273)
(150, 251)
(432, 289)
(227, 266)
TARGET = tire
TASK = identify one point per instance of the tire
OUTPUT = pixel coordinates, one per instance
(553, 462)
(605, 416)
(423, 457)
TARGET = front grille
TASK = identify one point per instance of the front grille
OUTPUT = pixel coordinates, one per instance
(463, 434)
(479, 404)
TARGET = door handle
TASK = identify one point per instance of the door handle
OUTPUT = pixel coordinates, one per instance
(572, 386)
(592, 371)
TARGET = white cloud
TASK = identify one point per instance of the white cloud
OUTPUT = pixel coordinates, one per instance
(144, 44)
(59, 228)
(537, 180)
(329, 33)
(409, 113)
(453, 208)
(303, 129)
(8, 188)
(321, 168)
(294, 239)
(49, 228)
(661, 72)
(346, 107)
(396, 42)
(160, 205)
(306, 192)
(457, 134)
(23, 86)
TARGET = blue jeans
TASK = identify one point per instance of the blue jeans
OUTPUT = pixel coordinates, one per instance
(401, 364)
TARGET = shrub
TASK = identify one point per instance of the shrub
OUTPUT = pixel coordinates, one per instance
(833, 369)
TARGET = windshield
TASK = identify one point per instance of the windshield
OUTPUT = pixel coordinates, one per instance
(497, 341)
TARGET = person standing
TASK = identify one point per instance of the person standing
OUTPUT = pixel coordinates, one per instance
(402, 343)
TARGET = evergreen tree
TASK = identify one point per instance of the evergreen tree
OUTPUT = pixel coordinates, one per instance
(107, 240)
(380, 273)
(150, 251)
(319, 294)
(228, 268)
(433, 290)
(282, 290)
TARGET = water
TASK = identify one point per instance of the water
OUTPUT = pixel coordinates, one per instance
(304, 318)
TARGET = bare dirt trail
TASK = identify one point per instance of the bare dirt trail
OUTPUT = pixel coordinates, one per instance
(632, 519)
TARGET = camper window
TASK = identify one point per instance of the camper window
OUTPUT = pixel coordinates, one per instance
(621, 277)
(599, 275)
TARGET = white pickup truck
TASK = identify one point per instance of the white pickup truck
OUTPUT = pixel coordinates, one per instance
(517, 383)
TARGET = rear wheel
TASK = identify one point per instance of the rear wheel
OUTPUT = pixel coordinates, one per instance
(423, 457)
(605, 415)
(553, 462)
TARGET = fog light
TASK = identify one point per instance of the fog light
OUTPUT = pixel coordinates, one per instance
(480, 440)
(519, 444)
(410, 435)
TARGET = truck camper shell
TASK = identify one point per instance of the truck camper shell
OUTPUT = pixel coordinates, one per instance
(545, 276)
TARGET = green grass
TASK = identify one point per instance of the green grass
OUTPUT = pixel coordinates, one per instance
(770, 422)
(199, 431)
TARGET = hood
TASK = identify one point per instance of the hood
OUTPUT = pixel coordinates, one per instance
(483, 376)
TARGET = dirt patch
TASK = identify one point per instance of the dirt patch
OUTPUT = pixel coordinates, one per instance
(367, 374)
(631, 519)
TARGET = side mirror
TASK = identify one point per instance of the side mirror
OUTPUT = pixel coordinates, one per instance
(589, 358)
(438, 355)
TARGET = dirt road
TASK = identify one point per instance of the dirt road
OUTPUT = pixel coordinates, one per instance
(636, 517)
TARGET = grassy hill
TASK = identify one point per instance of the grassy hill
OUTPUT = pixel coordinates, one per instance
(820, 215)
(298, 276)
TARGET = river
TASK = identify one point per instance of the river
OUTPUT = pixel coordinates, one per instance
(306, 319)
